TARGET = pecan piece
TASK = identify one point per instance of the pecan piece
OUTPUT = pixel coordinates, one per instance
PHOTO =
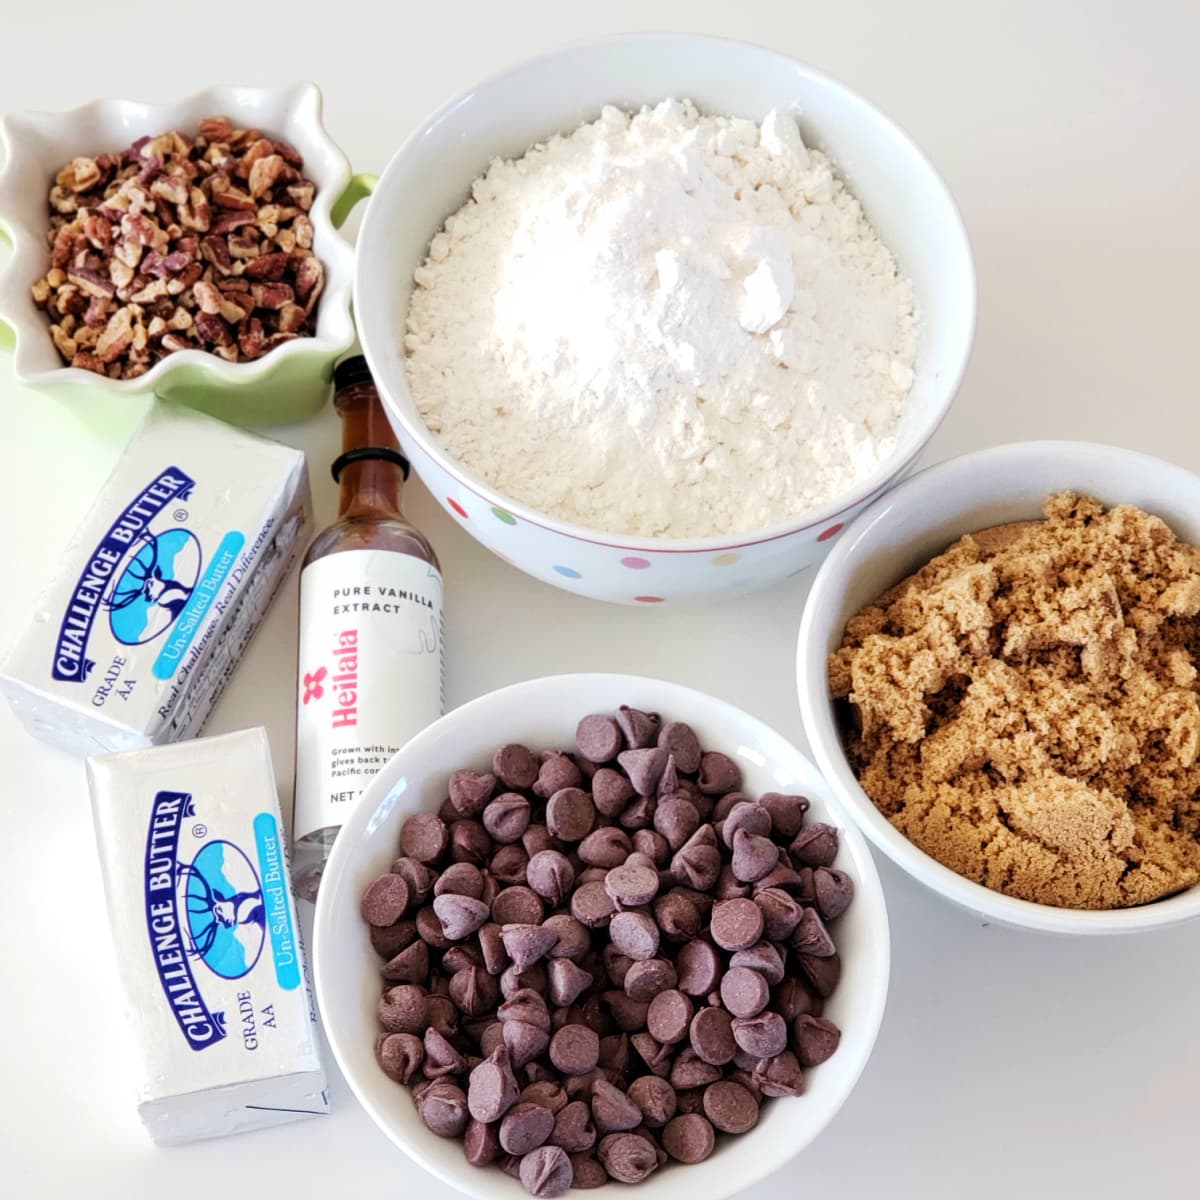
(207, 297)
(292, 318)
(212, 329)
(267, 266)
(216, 129)
(232, 219)
(302, 194)
(117, 336)
(98, 312)
(251, 338)
(310, 279)
(264, 173)
(272, 295)
(171, 188)
(91, 282)
(79, 175)
(98, 231)
(215, 250)
(88, 361)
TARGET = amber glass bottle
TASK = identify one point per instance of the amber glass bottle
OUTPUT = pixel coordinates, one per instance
(370, 671)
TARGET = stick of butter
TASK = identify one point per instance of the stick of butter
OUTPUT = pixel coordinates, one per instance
(211, 959)
(162, 587)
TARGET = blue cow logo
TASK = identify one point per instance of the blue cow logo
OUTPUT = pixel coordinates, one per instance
(220, 897)
(153, 586)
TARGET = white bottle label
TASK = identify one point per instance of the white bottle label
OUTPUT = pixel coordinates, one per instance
(370, 674)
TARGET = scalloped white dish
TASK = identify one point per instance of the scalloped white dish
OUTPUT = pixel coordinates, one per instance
(285, 384)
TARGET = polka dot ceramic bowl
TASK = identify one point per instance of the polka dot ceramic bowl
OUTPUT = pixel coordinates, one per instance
(430, 176)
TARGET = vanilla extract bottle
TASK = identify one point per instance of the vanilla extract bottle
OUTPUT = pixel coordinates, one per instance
(370, 669)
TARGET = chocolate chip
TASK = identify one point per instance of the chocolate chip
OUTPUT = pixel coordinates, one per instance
(443, 1108)
(647, 978)
(400, 1055)
(748, 816)
(411, 965)
(763, 1036)
(718, 774)
(460, 916)
(639, 728)
(524, 1042)
(470, 842)
(681, 741)
(516, 766)
(385, 900)
(460, 879)
(611, 791)
(575, 1049)
(730, 1107)
(612, 1110)
(441, 1058)
(424, 837)
(753, 855)
(567, 980)
(525, 1127)
(525, 1005)
(834, 891)
(507, 817)
(815, 846)
(574, 1129)
(811, 937)
(689, 1070)
(698, 968)
(676, 819)
(592, 906)
(711, 1036)
(653, 845)
(546, 1171)
(762, 957)
(598, 738)
(608, 847)
(669, 1016)
(551, 875)
(518, 906)
(402, 1009)
(792, 997)
(634, 934)
(389, 941)
(689, 1138)
(656, 1099)
(781, 913)
(509, 864)
(744, 992)
(736, 924)
(474, 991)
(779, 1076)
(644, 768)
(570, 814)
(822, 973)
(470, 791)
(481, 1143)
(815, 1039)
(787, 812)
(573, 939)
(589, 1172)
(556, 772)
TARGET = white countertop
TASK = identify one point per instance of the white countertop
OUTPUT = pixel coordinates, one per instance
(1008, 1064)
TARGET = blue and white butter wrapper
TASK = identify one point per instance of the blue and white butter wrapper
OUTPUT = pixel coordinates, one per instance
(162, 587)
(211, 957)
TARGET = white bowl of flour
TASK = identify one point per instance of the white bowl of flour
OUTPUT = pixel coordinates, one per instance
(669, 351)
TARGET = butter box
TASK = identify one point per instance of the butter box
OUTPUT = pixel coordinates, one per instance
(211, 958)
(161, 589)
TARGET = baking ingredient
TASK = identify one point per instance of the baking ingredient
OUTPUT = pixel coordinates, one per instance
(180, 242)
(1026, 710)
(217, 994)
(162, 587)
(371, 630)
(553, 991)
(666, 324)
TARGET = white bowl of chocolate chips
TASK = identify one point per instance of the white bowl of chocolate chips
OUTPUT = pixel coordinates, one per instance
(593, 929)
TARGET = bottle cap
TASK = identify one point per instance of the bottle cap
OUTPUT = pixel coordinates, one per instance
(386, 453)
(351, 370)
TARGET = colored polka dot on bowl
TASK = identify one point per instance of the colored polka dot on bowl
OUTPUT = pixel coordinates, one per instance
(727, 559)
(458, 508)
(568, 572)
(501, 515)
(635, 563)
(832, 531)
(649, 599)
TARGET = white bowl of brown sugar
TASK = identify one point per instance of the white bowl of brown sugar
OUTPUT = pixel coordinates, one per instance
(998, 673)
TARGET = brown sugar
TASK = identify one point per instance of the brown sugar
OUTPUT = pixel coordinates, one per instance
(1026, 707)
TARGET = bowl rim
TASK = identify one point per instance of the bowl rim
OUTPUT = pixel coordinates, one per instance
(510, 698)
(304, 98)
(817, 712)
(866, 490)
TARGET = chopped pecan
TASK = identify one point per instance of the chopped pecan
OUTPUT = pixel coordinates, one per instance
(91, 282)
(264, 173)
(207, 297)
(63, 201)
(40, 292)
(272, 295)
(155, 289)
(88, 361)
(157, 327)
(98, 312)
(213, 329)
(215, 250)
(285, 239)
(63, 341)
(179, 320)
(302, 194)
(172, 342)
(79, 175)
(232, 219)
(171, 188)
(98, 231)
(251, 338)
(292, 318)
(117, 336)
(310, 279)
(234, 198)
(245, 244)
(304, 232)
(216, 129)
(267, 266)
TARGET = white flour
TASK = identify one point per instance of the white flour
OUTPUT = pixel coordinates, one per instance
(666, 325)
